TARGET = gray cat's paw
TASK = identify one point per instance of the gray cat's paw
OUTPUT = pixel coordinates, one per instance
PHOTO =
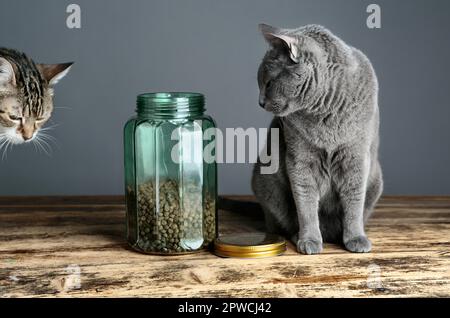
(309, 247)
(360, 244)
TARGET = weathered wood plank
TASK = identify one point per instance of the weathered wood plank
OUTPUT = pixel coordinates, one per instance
(62, 200)
(46, 242)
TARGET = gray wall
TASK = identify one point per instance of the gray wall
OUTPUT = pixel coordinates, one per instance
(128, 47)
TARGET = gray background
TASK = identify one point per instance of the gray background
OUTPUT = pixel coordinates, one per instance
(128, 47)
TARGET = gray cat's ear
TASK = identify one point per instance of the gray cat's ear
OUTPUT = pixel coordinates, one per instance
(53, 73)
(7, 75)
(274, 36)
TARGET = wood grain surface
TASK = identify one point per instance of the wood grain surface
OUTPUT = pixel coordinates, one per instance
(74, 247)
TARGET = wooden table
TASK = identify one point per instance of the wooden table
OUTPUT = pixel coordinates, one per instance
(74, 246)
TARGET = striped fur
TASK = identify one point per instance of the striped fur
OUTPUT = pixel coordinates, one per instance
(26, 96)
(29, 81)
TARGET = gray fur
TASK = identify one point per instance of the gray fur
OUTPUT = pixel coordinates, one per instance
(324, 95)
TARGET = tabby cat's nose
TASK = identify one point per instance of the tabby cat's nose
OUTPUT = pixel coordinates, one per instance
(27, 134)
(27, 137)
(262, 101)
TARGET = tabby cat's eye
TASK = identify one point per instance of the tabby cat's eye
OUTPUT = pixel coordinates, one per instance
(12, 117)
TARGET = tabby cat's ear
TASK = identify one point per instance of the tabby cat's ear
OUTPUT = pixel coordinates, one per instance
(53, 73)
(7, 75)
(274, 36)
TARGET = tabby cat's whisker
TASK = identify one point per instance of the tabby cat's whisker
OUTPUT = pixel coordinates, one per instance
(3, 139)
(40, 145)
(32, 83)
(45, 135)
(62, 107)
(49, 138)
(34, 145)
(3, 142)
(45, 145)
(49, 127)
(5, 150)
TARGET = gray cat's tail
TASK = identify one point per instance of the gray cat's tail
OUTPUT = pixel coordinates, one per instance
(241, 205)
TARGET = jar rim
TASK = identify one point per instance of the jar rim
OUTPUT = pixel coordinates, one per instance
(170, 104)
(161, 96)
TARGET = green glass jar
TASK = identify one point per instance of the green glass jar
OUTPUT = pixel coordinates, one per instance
(170, 174)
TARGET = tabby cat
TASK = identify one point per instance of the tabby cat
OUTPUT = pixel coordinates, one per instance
(26, 95)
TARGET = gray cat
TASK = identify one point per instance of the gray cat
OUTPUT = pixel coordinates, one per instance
(324, 95)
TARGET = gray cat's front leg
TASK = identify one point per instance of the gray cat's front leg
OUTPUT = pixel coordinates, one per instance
(306, 196)
(352, 191)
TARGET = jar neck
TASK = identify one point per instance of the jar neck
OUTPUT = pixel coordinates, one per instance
(170, 105)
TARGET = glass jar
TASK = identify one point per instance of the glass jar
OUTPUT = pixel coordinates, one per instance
(170, 174)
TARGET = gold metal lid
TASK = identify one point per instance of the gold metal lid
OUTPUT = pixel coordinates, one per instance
(249, 245)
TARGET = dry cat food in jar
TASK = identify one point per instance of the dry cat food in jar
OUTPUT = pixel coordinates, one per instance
(170, 183)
